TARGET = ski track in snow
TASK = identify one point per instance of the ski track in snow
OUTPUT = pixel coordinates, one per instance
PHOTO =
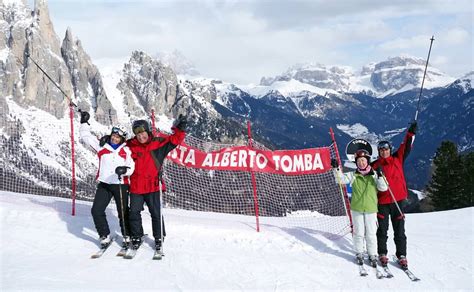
(44, 247)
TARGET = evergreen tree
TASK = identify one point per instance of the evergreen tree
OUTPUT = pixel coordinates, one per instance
(468, 178)
(446, 186)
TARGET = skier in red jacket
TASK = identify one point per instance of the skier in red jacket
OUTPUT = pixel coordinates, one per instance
(149, 152)
(392, 166)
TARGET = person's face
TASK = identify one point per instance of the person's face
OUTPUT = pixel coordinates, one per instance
(362, 163)
(115, 139)
(384, 152)
(142, 137)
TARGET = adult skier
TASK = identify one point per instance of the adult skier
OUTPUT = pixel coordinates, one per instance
(114, 157)
(149, 153)
(391, 162)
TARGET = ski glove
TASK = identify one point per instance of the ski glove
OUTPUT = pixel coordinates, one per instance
(412, 128)
(121, 170)
(334, 163)
(181, 122)
(379, 171)
(85, 117)
(104, 140)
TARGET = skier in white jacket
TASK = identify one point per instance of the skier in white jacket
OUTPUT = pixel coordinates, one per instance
(115, 167)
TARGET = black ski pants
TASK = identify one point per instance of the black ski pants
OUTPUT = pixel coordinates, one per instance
(102, 198)
(386, 212)
(152, 200)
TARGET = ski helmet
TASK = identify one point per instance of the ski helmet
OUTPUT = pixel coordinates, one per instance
(362, 153)
(140, 126)
(384, 145)
(119, 130)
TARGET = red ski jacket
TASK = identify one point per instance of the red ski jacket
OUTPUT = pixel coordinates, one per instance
(392, 168)
(148, 159)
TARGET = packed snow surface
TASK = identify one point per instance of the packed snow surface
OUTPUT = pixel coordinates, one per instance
(45, 248)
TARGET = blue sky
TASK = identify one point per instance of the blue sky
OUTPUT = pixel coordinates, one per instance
(241, 41)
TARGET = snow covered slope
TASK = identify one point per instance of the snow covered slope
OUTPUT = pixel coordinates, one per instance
(44, 247)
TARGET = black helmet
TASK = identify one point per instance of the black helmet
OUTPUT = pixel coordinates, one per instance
(362, 153)
(384, 145)
(139, 126)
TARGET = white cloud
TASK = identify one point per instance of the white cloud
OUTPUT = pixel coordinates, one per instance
(241, 41)
(399, 44)
(455, 36)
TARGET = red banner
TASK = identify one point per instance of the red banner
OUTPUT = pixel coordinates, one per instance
(241, 158)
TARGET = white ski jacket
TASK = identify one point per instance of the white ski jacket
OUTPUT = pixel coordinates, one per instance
(109, 158)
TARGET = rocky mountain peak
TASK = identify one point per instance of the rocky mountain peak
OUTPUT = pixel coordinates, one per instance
(315, 74)
(147, 84)
(86, 80)
(178, 62)
(41, 15)
(397, 73)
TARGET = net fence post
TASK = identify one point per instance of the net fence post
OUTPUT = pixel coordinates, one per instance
(73, 161)
(254, 182)
(344, 191)
(153, 128)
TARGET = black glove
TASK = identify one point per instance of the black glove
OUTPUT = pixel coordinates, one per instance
(181, 122)
(334, 163)
(121, 170)
(379, 171)
(104, 140)
(85, 117)
(412, 128)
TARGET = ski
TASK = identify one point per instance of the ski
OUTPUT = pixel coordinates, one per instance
(410, 275)
(362, 271)
(122, 252)
(406, 270)
(130, 254)
(378, 272)
(158, 255)
(102, 250)
(388, 273)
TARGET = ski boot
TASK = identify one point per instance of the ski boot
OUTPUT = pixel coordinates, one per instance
(360, 259)
(136, 242)
(373, 260)
(105, 241)
(383, 260)
(126, 242)
(158, 245)
(403, 262)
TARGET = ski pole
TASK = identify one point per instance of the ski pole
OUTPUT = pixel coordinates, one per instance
(50, 79)
(339, 182)
(121, 207)
(391, 194)
(161, 215)
(423, 81)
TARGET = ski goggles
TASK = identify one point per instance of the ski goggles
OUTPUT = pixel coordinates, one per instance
(384, 145)
(138, 130)
(362, 153)
(118, 131)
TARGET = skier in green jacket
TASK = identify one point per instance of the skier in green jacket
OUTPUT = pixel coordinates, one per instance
(365, 183)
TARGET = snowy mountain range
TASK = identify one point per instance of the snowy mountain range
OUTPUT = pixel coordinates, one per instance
(292, 110)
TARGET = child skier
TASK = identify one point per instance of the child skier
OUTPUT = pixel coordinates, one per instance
(365, 182)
